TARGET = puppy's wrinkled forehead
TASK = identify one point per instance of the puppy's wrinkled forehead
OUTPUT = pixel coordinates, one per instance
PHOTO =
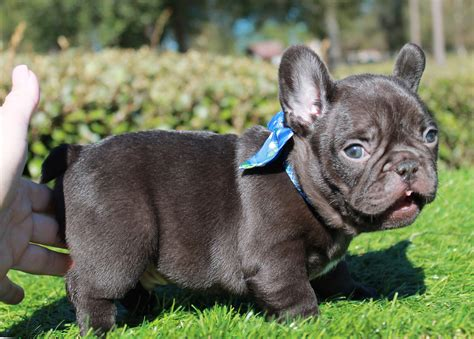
(373, 103)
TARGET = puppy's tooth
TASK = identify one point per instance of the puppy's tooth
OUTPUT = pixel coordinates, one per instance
(408, 193)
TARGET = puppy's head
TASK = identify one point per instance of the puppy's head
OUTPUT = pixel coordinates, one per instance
(373, 143)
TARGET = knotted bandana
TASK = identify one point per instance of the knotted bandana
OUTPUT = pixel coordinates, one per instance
(273, 145)
(276, 141)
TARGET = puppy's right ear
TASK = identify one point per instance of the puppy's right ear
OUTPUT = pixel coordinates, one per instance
(304, 88)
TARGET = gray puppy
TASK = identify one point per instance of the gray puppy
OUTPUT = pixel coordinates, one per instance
(161, 207)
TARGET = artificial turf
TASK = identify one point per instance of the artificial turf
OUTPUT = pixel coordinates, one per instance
(424, 274)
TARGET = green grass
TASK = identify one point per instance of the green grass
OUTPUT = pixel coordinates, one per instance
(424, 272)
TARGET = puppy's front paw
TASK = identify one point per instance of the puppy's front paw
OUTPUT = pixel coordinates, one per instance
(298, 311)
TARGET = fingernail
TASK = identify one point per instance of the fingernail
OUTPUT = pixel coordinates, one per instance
(19, 75)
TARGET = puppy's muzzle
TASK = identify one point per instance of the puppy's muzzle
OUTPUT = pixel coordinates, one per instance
(406, 169)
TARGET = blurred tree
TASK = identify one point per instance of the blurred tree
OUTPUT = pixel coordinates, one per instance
(93, 24)
(332, 19)
(332, 24)
(438, 33)
(122, 23)
(458, 26)
(186, 20)
(390, 15)
(236, 24)
(459, 8)
(45, 19)
(360, 28)
(227, 26)
(415, 25)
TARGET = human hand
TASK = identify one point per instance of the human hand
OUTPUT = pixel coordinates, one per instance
(24, 205)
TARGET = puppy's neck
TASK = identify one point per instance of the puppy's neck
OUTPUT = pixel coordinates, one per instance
(326, 202)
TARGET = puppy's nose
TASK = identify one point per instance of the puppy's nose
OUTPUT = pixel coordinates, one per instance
(407, 168)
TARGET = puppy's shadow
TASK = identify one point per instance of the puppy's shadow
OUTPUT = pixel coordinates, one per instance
(389, 271)
(173, 298)
(60, 315)
(56, 316)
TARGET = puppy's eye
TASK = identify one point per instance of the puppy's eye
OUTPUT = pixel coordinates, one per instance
(354, 151)
(431, 136)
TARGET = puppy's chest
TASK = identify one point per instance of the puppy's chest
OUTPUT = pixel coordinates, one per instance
(320, 262)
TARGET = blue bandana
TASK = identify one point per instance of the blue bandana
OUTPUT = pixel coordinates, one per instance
(280, 134)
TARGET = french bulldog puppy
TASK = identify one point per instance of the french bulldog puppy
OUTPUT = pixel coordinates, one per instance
(160, 207)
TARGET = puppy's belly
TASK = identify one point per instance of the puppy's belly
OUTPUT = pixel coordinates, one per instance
(152, 278)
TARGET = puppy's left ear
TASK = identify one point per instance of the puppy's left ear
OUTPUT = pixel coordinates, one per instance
(304, 88)
(410, 65)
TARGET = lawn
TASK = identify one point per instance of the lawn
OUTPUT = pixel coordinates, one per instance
(424, 273)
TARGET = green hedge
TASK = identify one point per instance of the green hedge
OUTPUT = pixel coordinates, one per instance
(87, 96)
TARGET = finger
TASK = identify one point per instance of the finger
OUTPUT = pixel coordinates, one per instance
(14, 118)
(40, 196)
(40, 260)
(46, 231)
(24, 96)
(10, 292)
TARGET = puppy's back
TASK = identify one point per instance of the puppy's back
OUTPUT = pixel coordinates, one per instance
(157, 196)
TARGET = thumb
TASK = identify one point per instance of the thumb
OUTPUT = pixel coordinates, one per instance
(14, 119)
(24, 96)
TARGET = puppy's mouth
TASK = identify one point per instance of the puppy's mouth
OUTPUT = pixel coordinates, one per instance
(403, 211)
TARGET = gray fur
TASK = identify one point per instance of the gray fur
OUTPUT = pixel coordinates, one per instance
(177, 200)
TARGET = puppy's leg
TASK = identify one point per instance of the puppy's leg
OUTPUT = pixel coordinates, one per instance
(111, 243)
(104, 271)
(281, 284)
(92, 311)
(96, 281)
(339, 282)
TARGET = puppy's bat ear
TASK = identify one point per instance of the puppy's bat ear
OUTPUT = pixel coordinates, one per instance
(410, 65)
(305, 84)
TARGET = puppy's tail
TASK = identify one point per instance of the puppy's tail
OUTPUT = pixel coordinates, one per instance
(58, 161)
